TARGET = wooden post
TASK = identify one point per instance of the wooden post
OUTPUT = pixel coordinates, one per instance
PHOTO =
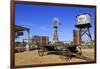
(28, 46)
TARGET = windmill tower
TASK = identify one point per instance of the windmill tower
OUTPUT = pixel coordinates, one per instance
(56, 22)
(83, 25)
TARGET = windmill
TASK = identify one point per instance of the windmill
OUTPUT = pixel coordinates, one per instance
(56, 23)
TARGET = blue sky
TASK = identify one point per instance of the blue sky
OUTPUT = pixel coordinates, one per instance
(39, 19)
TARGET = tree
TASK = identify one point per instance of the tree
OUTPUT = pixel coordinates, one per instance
(17, 43)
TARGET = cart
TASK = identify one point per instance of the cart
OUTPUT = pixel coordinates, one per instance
(67, 52)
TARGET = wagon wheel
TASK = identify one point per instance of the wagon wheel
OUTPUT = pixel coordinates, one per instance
(55, 47)
(64, 54)
(41, 51)
(45, 51)
(61, 52)
(79, 52)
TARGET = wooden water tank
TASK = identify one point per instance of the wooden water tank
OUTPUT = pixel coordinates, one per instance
(77, 37)
(41, 40)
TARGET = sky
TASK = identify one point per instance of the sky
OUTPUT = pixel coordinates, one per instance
(39, 19)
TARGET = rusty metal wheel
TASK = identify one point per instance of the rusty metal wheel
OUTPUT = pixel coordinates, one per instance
(41, 51)
(79, 54)
(64, 54)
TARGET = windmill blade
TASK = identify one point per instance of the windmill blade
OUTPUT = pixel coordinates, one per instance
(56, 21)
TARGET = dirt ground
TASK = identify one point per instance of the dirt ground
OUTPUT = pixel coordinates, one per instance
(32, 58)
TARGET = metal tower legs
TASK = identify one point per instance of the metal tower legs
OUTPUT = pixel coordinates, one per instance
(87, 32)
(55, 36)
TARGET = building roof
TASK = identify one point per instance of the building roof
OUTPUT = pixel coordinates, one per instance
(20, 28)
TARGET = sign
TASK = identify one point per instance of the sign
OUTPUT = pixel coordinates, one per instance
(83, 19)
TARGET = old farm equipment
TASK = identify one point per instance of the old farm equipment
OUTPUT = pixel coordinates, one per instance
(61, 50)
(44, 47)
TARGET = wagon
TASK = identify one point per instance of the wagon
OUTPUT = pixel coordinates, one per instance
(61, 50)
(44, 47)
